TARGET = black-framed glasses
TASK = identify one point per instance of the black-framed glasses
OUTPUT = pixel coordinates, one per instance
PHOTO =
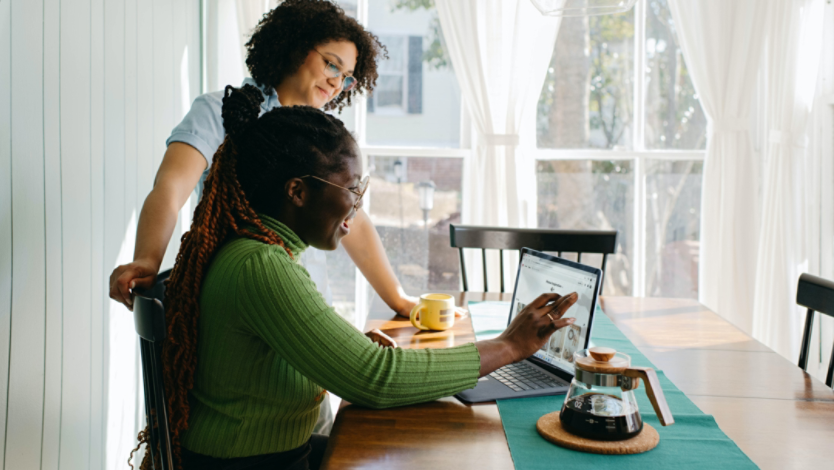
(359, 191)
(333, 71)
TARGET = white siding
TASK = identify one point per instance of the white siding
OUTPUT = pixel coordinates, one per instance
(89, 90)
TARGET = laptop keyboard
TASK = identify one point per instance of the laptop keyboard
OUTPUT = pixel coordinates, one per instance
(521, 377)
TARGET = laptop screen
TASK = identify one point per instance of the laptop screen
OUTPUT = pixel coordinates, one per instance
(539, 274)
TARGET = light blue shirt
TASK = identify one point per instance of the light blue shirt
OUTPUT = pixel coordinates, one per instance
(202, 128)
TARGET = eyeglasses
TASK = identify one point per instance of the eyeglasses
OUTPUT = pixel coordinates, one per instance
(333, 71)
(360, 191)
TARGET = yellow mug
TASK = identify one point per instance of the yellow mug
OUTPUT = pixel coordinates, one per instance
(434, 312)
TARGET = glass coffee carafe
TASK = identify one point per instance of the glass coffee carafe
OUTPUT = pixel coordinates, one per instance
(601, 404)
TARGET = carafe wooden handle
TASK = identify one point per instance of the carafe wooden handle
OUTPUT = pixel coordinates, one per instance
(654, 392)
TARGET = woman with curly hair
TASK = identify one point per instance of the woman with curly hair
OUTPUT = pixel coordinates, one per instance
(252, 346)
(304, 52)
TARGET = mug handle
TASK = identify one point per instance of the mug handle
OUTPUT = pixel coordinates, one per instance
(414, 311)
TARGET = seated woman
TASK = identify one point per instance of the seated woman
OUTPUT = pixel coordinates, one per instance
(252, 345)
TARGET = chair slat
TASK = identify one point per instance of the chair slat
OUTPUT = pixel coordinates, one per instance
(817, 295)
(830, 375)
(501, 263)
(806, 340)
(602, 278)
(547, 240)
(483, 257)
(149, 320)
(165, 450)
(149, 398)
(463, 271)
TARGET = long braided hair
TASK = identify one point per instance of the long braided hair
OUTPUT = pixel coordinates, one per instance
(247, 174)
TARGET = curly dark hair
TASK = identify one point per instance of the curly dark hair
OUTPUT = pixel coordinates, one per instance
(281, 41)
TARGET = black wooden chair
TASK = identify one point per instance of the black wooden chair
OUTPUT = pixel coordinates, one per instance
(816, 294)
(602, 242)
(149, 320)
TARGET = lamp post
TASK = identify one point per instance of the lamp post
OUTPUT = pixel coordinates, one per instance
(399, 172)
(425, 189)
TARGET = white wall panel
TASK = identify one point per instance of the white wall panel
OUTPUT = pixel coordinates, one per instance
(53, 222)
(120, 138)
(163, 94)
(114, 130)
(77, 426)
(146, 163)
(25, 399)
(89, 91)
(98, 418)
(5, 210)
(131, 102)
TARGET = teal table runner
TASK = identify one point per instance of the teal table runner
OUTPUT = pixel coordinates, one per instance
(693, 442)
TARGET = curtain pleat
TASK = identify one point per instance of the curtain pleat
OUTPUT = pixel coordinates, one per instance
(500, 51)
(793, 57)
(722, 43)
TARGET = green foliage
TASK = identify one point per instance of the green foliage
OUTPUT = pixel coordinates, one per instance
(611, 75)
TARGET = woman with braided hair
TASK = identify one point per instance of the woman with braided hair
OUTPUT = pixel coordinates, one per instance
(304, 52)
(252, 345)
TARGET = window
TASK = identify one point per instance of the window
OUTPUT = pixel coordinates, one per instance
(417, 239)
(417, 100)
(587, 98)
(400, 84)
(674, 118)
(621, 135)
(409, 132)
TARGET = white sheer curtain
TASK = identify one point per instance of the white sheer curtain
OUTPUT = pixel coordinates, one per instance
(249, 14)
(722, 42)
(500, 50)
(790, 206)
(229, 25)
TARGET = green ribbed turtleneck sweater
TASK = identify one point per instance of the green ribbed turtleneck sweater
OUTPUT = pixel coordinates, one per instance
(268, 346)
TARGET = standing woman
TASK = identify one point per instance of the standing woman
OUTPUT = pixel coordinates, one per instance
(304, 52)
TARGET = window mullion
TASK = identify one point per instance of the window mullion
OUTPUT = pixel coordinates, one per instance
(361, 297)
(638, 144)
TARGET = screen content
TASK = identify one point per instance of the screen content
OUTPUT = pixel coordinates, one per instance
(539, 276)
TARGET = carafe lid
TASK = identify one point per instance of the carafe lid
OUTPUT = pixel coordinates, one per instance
(603, 360)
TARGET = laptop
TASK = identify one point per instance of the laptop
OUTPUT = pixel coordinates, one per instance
(549, 370)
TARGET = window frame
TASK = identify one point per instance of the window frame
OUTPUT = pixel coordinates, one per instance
(403, 109)
(639, 155)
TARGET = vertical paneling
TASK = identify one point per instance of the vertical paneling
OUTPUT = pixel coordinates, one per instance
(131, 211)
(146, 148)
(120, 434)
(26, 362)
(52, 220)
(163, 95)
(5, 212)
(89, 91)
(76, 424)
(114, 130)
(131, 84)
(98, 418)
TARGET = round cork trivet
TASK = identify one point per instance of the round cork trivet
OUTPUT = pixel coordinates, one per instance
(550, 427)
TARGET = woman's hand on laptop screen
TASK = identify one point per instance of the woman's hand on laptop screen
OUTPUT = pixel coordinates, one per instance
(527, 333)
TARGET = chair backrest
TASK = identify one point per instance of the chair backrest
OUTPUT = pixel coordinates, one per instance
(149, 320)
(816, 294)
(602, 242)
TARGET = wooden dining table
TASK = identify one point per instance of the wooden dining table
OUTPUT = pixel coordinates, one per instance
(780, 416)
